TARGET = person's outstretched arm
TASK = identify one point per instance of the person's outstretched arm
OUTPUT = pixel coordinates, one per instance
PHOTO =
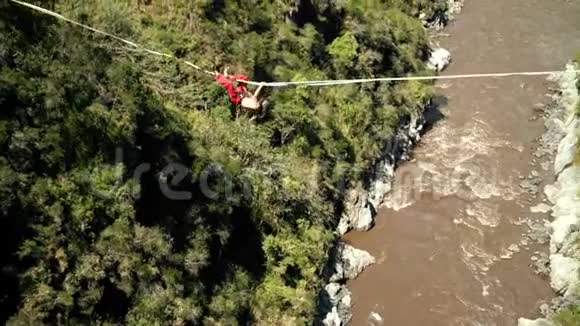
(257, 92)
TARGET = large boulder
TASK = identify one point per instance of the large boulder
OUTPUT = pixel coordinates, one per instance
(335, 305)
(564, 274)
(567, 147)
(359, 213)
(441, 18)
(439, 59)
(454, 7)
(361, 203)
(347, 262)
(566, 207)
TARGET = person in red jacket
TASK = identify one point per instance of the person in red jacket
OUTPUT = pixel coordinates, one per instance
(238, 93)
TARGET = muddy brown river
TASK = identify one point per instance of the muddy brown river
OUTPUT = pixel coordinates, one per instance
(448, 240)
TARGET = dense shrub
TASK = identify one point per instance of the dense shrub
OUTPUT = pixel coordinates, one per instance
(128, 192)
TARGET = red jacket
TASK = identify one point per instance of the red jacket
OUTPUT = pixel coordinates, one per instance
(235, 92)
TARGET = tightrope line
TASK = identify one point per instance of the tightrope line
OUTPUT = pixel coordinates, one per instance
(292, 83)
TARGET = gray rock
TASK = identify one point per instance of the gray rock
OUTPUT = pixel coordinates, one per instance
(561, 138)
(539, 233)
(358, 212)
(566, 151)
(541, 265)
(335, 305)
(361, 203)
(347, 262)
(440, 19)
(545, 309)
(439, 59)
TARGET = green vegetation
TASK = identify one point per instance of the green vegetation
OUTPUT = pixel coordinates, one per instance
(568, 317)
(91, 239)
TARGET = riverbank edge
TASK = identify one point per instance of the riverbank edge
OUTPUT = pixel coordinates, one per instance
(362, 202)
(564, 196)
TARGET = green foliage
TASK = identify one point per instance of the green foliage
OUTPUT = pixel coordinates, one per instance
(287, 295)
(568, 317)
(577, 58)
(231, 298)
(343, 50)
(94, 239)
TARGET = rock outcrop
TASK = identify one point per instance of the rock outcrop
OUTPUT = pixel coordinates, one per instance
(564, 261)
(441, 18)
(361, 204)
(335, 302)
(346, 263)
(362, 201)
(439, 59)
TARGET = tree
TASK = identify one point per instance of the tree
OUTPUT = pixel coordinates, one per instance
(90, 237)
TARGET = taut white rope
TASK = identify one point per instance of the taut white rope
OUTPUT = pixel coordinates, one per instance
(292, 83)
(367, 80)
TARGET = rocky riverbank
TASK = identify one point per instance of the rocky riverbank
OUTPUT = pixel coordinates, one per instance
(563, 263)
(362, 202)
(346, 262)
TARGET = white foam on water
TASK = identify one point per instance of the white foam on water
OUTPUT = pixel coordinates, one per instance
(487, 214)
(459, 221)
(398, 199)
(457, 162)
(375, 318)
(479, 315)
(479, 262)
(485, 284)
(405, 189)
(464, 161)
(476, 258)
(506, 254)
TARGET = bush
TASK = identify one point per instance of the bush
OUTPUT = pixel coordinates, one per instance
(568, 317)
(91, 238)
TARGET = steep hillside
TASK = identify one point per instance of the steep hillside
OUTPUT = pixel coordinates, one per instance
(129, 193)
